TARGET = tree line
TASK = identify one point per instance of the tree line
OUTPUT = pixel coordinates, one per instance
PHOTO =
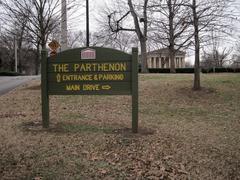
(149, 24)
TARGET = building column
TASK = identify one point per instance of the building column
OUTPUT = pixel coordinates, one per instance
(183, 62)
(149, 62)
(165, 65)
(157, 62)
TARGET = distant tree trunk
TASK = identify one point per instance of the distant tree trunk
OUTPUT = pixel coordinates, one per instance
(19, 55)
(172, 59)
(20, 42)
(142, 35)
(144, 57)
(171, 37)
(37, 60)
(196, 85)
(12, 64)
(140, 30)
(37, 65)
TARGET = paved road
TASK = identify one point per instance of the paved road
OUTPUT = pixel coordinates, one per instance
(7, 83)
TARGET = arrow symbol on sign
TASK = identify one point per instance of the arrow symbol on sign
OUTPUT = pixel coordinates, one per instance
(106, 87)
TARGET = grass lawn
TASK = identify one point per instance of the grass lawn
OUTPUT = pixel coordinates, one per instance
(183, 134)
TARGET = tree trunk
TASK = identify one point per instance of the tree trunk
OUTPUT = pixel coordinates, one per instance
(196, 85)
(37, 64)
(171, 38)
(37, 60)
(142, 36)
(12, 64)
(144, 68)
(20, 41)
(172, 60)
(19, 57)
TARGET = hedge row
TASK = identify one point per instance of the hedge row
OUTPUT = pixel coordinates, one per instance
(191, 70)
(221, 70)
(9, 73)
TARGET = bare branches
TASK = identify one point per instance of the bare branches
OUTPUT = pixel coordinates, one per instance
(170, 26)
(116, 25)
(40, 16)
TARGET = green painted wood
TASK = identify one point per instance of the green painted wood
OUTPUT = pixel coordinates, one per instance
(44, 90)
(103, 54)
(91, 66)
(65, 63)
(108, 61)
(97, 93)
(79, 88)
(89, 76)
(134, 90)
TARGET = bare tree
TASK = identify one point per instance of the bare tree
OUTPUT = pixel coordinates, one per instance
(40, 18)
(107, 36)
(206, 15)
(7, 51)
(15, 26)
(26, 54)
(170, 26)
(139, 15)
(215, 54)
(216, 58)
(236, 57)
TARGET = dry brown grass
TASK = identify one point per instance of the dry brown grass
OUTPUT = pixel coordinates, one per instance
(183, 134)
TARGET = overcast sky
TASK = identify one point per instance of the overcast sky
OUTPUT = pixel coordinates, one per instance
(77, 18)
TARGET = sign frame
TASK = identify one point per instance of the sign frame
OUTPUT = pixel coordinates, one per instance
(45, 83)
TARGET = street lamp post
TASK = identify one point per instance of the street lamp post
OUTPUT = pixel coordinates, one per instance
(64, 26)
(87, 23)
(16, 54)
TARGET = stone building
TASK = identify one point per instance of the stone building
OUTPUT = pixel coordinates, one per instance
(160, 59)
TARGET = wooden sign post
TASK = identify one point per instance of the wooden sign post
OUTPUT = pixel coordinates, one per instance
(90, 71)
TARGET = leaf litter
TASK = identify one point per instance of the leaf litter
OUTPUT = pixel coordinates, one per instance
(182, 134)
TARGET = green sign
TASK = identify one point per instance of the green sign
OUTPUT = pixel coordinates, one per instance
(90, 71)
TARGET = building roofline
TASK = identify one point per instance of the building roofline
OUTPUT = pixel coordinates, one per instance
(165, 50)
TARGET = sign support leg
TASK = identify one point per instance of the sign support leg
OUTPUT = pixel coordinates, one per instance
(134, 90)
(44, 86)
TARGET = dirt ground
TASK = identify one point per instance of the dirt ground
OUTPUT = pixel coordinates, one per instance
(183, 134)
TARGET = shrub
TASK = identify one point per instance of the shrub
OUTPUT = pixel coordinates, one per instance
(220, 70)
(191, 70)
(167, 70)
(9, 73)
(185, 70)
(159, 70)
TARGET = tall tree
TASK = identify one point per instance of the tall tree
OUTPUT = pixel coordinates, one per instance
(107, 35)
(139, 15)
(15, 26)
(170, 27)
(236, 56)
(40, 19)
(215, 54)
(206, 15)
(196, 18)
